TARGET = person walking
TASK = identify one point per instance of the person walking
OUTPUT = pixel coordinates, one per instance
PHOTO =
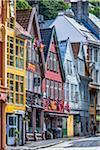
(94, 129)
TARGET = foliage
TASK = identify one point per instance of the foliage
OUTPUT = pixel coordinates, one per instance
(95, 11)
(22, 4)
(50, 8)
(96, 7)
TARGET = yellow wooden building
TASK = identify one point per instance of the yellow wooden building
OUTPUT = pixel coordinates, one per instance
(16, 79)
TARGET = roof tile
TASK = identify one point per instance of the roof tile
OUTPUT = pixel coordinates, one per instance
(23, 16)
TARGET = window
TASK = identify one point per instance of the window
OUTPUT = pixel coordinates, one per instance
(81, 66)
(52, 62)
(60, 91)
(29, 51)
(19, 83)
(18, 90)
(72, 92)
(91, 51)
(69, 67)
(19, 54)
(67, 91)
(47, 88)
(51, 89)
(10, 51)
(96, 73)
(55, 62)
(76, 93)
(30, 81)
(10, 85)
(95, 55)
(56, 90)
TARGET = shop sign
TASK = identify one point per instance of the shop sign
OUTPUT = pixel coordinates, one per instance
(97, 117)
(31, 67)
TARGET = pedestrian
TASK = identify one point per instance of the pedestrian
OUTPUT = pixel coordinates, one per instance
(94, 129)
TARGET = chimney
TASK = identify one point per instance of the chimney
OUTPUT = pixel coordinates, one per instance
(80, 9)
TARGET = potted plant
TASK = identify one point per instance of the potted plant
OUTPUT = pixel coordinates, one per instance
(16, 137)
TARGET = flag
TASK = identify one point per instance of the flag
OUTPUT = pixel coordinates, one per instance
(67, 107)
(41, 46)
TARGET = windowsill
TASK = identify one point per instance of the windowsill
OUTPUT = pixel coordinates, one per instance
(15, 67)
(9, 103)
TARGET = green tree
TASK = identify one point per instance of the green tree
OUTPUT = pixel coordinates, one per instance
(50, 8)
(95, 11)
(22, 4)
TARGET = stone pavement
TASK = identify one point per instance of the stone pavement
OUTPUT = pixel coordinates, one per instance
(34, 145)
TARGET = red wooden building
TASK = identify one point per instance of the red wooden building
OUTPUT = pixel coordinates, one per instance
(53, 84)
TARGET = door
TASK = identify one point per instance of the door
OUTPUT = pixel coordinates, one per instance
(12, 121)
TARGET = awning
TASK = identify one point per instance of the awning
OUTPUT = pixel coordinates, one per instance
(52, 114)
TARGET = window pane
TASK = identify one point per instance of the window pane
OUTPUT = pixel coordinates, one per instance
(17, 86)
(16, 77)
(11, 76)
(17, 98)
(21, 78)
(21, 99)
(11, 51)
(21, 43)
(17, 50)
(21, 87)
(11, 63)
(21, 63)
(17, 41)
(11, 85)
(21, 52)
(17, 62)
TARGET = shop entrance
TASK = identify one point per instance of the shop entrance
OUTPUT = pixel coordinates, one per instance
(11, 129)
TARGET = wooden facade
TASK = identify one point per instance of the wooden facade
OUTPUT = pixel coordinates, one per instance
(3, 88)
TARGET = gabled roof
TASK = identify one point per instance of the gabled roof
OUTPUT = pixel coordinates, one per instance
(47, 35)
(27, 18)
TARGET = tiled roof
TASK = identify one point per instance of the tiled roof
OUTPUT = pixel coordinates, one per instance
(23, 16)
(46, 37)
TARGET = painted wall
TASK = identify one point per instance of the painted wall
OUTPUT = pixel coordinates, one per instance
(70, 126)
(51, 75)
